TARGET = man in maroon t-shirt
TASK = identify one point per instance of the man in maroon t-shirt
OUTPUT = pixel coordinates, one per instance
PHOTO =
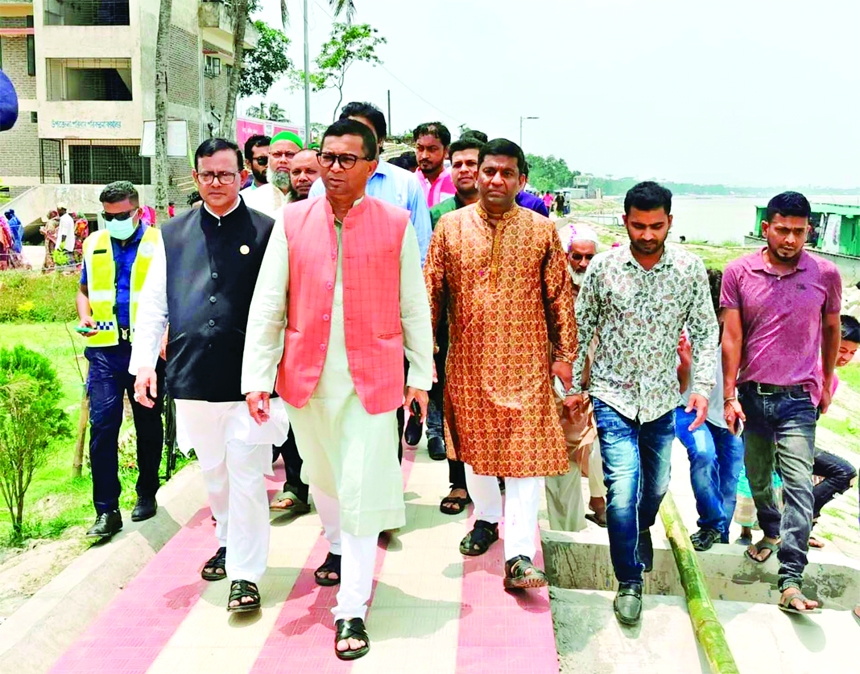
(781, 315)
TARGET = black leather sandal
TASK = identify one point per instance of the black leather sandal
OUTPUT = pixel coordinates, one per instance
(521, 574)
(217, 562)
(351, 629)
(330, 565)
(243, 589)
(479, 539)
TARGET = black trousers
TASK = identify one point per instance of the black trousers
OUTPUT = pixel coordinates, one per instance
(837, 474)
(293, 464)
(108, 382)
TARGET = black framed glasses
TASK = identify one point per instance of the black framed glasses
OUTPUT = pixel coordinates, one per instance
(224, 177)
(580, 256)
(346, 161)
(125, 215)
(262, 161)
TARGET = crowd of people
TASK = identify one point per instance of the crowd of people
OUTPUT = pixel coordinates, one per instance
(311, 314)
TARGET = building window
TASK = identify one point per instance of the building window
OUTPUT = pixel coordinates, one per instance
(34, 118)
(229, 70)
(86, 12)
(89, 79)
(212, 67)
(102, 164)
(31, 50)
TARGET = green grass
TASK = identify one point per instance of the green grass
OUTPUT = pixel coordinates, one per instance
(849, 375)
(32, 297)
(56, 500)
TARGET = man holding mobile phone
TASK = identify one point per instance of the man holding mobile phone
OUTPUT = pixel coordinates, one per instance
(781, 314)
(115, 265)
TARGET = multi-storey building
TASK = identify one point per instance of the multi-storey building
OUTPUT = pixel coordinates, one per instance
(84, 71)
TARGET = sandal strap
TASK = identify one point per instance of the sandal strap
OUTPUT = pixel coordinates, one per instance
(351, 629)
(516, 567)
(243, 588)
(483, 525)
(218, 559)
(331, 563)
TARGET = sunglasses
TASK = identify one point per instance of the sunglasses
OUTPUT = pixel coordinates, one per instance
(262, 161)
(579, 256)
(125, 215)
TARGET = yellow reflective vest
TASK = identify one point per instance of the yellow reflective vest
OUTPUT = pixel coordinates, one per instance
(101, 282)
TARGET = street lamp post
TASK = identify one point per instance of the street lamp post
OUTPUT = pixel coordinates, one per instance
(307, 80)
(521, 127)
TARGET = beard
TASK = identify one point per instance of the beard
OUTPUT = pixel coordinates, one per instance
(578, 278)
(261, 177)
(279, 179)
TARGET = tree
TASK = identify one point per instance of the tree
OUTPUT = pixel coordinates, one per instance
(241, 13)
(266, 63)
(31, 420)
(162, 63)
(347, 45)
(273, 112)
(549, 173)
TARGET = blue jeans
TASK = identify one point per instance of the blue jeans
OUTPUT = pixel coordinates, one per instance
(108, 382)
(716, 457)
(780, 431)
(637, 458)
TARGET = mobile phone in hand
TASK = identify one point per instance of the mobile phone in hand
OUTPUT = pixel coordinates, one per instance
(83, 330)
(739, 427)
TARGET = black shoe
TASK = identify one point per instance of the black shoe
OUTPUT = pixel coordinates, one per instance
(646, 550)
(145, 508)
(436, 449)
(628, 603)
(107, 524)
(704, 539)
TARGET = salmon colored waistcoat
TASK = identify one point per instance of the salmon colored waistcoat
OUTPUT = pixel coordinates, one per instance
(372, 237)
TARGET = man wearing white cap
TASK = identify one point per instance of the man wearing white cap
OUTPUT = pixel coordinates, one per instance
(564, 492)
(270, 197)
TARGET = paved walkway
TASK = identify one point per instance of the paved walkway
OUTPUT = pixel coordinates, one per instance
(432, 611)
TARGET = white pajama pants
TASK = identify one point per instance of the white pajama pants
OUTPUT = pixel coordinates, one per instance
(522, 501)
(235, 455)
(358, 558)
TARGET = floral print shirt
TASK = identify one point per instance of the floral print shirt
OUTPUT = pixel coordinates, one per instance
(637, 316)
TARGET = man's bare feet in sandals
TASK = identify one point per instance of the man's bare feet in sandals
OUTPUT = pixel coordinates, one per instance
(287, 501)
(792, 600)
(815, 543)
(760, 552)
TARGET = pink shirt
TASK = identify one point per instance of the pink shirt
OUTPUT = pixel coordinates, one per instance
(443, 188)
(781, 318)
(547, 199)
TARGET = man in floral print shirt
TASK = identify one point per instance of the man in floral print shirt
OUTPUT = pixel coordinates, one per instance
(637, 299)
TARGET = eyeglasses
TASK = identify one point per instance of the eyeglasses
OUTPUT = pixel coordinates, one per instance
(224, 177)
(346, 161)
(125, 215)
(289, 154)
(579, 256)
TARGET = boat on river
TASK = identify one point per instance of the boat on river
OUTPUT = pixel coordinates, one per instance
(835, 235)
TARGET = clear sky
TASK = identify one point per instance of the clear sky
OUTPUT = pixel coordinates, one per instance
(743, 92)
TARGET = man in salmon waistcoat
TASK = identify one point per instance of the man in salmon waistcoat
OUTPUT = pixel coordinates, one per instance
(342, 274)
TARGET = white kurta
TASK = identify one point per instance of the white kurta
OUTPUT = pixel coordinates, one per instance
(234, 452)
(266, 199)
(347, 453)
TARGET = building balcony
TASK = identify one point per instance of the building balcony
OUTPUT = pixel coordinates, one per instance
(216, 24)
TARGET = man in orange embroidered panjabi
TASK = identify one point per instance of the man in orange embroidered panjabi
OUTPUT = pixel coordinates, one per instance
(501, 274)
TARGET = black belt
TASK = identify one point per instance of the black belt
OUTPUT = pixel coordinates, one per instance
(770, 389)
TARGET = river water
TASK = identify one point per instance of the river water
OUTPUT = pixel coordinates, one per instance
(726, 219)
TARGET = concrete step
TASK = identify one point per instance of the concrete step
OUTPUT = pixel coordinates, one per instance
(762, 638)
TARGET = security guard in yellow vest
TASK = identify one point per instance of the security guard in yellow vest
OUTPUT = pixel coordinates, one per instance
(116, 261)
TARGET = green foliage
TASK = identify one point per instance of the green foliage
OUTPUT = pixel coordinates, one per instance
(38, 298)
(348, 44)
(549, 173)
(263, 66)
(31, 421)
(273, 112)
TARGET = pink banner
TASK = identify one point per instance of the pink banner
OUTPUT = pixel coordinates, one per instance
(247, 127)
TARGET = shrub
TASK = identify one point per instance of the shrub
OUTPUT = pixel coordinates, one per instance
(28, 297)
(30, 422)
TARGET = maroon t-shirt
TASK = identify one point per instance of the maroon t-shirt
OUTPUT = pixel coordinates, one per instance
(781, 318)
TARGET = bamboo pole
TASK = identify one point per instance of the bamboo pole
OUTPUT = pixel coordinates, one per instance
(80, 442)
(706, 625)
